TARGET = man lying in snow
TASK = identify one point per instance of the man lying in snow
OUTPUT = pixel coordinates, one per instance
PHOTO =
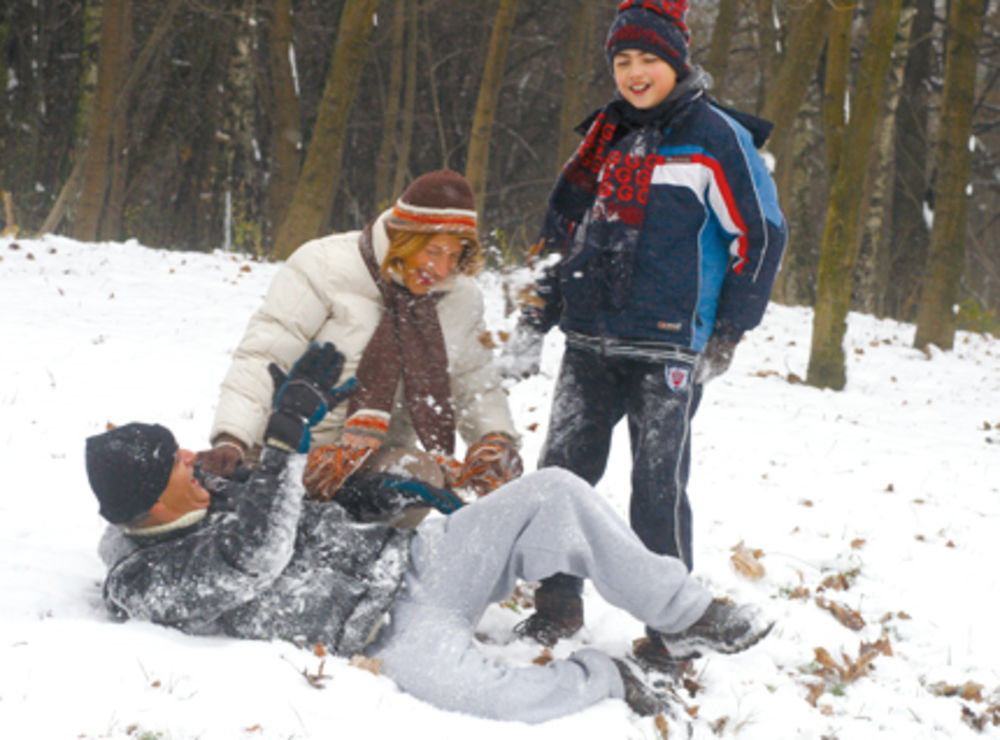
(254, 559)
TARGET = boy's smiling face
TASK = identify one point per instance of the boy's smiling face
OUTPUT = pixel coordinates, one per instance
(643, 79)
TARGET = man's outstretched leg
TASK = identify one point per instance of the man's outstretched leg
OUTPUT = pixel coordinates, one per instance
(547, 522)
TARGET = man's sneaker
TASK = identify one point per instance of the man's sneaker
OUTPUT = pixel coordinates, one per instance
(557, 615)
(644, 698)
(725, 627)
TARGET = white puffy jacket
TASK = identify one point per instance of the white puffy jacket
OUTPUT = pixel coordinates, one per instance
(324, 293)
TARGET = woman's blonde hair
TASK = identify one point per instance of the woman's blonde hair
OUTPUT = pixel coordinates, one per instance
(405, 244)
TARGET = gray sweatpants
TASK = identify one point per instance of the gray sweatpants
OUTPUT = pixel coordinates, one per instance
(549, 521)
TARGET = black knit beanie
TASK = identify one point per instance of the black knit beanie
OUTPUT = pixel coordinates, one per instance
(129, 467)
(656, 26)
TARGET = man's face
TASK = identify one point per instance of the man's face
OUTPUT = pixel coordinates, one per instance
(183, 493)
(643, 79)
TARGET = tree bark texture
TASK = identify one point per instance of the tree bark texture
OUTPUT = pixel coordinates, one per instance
(112, 61)
(784, 97)
(936, 317)
(477, 160)
(843, 220)
(903, 260)
(877, 193)
(317, 184)
(409, 100)
(726, 21)
(576, 70)
(384, 169)
(787, 89)
(286, 132)
(767, 44)
(836, 84)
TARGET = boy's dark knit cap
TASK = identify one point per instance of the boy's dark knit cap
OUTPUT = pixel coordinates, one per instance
(656, 26)
(129, 467)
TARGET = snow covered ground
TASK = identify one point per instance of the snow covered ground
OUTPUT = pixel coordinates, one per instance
(881, 502)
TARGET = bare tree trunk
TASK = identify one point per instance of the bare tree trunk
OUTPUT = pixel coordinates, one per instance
(717, 63)
(310, 206)
(576, 70)
(877, 193)
(112, 214)
(801, 177)
(784, 97)
(906, 254)
(112, 61)
(477, 160)
(836, 85)
(67, 193)
(390, 120)
(72, 188)
(767, 42)
(936, 317)
(286, 131)
(409, 99)
(843, 219)
(787, 89)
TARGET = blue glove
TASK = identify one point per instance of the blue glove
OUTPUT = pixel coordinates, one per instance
(304, 396)
(373, 497)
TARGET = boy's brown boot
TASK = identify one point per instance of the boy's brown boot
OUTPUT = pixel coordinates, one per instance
(558, 614)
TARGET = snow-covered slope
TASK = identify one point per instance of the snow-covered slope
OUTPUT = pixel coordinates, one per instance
(890, 488)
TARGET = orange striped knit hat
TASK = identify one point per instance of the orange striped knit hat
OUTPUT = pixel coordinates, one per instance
(438, 201)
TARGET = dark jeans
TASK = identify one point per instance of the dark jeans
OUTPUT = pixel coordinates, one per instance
(592, 394)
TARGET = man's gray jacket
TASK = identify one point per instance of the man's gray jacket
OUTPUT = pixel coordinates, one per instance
(264, 564)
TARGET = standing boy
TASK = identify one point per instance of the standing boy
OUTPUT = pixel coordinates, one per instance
(669, 234)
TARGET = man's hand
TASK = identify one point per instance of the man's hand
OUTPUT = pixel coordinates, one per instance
(715, 359)
(521, 356)
(304, 396)
(225, 456)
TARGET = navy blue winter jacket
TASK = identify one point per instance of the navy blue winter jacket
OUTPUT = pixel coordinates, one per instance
(710, 244)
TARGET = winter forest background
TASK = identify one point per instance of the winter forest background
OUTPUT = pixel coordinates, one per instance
(199, 126)
(258, 124)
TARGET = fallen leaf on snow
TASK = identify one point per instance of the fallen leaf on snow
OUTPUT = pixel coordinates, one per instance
(372, 665)
(544, 658)
(661, 726)
(836, 582)
(747, 562)
(816, 690)
(844, 614)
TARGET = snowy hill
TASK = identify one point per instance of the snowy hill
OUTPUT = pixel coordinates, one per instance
(874, 513)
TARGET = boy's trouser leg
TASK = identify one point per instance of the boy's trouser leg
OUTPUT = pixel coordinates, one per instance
(586, 406)
(660, 432)
(546, 522)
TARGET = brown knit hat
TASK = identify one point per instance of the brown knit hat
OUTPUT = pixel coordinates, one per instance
(438, 201)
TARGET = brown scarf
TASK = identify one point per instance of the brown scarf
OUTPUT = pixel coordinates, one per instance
(407, 343)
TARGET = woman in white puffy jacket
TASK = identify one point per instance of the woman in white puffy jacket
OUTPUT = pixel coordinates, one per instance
(398, 300)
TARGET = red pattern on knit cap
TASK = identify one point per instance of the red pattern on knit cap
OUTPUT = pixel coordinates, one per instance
(674, 10)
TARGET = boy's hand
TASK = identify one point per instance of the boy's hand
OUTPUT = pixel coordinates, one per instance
(521, 356)
(716, 359)
(304, 396)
